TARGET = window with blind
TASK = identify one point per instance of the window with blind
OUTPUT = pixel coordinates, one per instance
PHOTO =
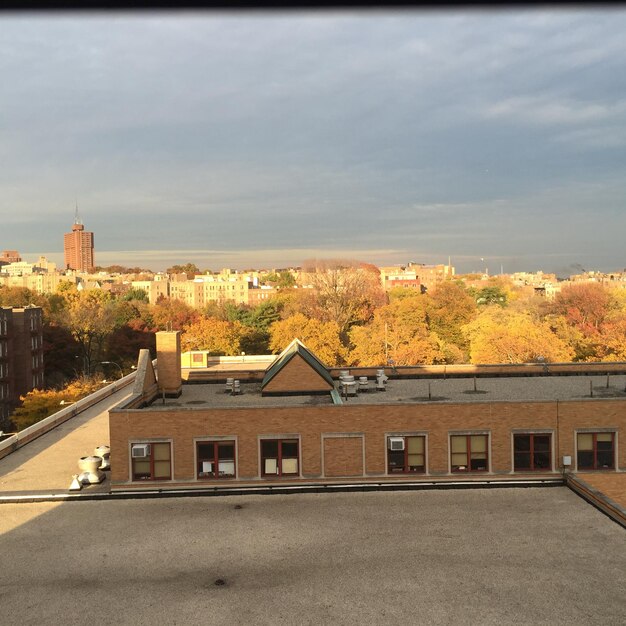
(280, 457)
(468, 453)
(410, 460)
(216, 459)
(595, 451)
(156, 465)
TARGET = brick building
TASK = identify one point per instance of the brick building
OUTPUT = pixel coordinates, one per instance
(296, 424)
(78, 248)
(21, 356)
(416, 276)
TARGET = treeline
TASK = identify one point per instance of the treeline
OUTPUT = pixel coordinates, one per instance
(345, 317)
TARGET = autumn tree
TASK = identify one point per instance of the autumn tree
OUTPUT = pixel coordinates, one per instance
(320, 337)
(218, 337)
(345, 292)
(90, 318)
(39, 403)
(399, 332)
(169, 314)
(501, 336)
(585, 306)
(450, 308)
(20, 297)
(191, 269)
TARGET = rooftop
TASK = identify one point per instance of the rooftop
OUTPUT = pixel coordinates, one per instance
(413, 391)
(499, 556)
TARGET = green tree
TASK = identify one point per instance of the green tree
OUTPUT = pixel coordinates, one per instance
(136, 293)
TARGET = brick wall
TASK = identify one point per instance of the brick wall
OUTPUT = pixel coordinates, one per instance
(499, 419)
(297, 375)
(343, 456)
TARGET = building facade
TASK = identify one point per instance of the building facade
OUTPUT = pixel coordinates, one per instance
(21, 356)
(297, 425)
(78, 248)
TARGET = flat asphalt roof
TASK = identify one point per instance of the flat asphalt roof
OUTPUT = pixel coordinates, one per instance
(498, 556)
(528, 389)
(47, 464)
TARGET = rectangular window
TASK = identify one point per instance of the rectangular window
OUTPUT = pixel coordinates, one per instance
(468, 453)
(596, 451)
(216, 459)
(156, 464)
(531, 453)
(279, 457)
(409, 460)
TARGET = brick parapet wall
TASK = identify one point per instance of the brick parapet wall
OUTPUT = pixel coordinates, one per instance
(500, 420)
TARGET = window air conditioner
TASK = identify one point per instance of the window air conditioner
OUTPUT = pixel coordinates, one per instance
(396, 443)
(140, 450)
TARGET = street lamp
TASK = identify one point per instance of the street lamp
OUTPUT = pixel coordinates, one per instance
(116, 365)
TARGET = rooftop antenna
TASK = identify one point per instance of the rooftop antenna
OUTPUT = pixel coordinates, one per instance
(76, 218)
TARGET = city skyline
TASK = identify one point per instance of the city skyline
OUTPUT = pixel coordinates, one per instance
(239, 140)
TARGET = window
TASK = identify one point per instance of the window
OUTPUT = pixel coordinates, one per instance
(468, 453)
(595, 451)
(216, 459)
(408, 460)
(531, 452)
(279, 457)
(156, 464)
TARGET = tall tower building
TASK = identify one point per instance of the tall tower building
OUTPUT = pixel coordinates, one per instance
(78, 246)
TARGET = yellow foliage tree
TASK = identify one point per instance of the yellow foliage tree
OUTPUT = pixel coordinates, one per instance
(320, 337)
(399, 331)
(219, 337)
(501, 336)
(90, 317)
(40, 403)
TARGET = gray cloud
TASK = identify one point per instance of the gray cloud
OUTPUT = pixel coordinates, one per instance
(424, 133)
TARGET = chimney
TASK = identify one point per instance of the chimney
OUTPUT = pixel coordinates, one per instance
(168, 363)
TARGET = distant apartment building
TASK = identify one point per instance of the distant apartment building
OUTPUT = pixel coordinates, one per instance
(21, 356)
(10, 256)
(542, 284)
(262, 293)
(208, 288)
(416, 276)
(155, 289)
(78, 247)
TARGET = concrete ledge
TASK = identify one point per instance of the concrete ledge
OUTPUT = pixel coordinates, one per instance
(52, 421)
(597, 499)
(268, 489)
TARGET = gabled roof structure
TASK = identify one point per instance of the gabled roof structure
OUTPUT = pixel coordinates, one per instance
(297, 370)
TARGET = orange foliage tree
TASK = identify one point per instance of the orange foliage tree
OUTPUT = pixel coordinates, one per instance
(39, 403)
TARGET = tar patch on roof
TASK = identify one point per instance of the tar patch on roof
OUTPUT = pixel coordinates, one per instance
(296, 371)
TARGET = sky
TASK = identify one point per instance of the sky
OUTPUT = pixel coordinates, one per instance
(261, 139)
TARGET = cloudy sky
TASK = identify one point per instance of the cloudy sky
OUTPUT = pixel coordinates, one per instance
(264, 139)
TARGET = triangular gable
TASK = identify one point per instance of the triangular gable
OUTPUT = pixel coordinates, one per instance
(297, 370)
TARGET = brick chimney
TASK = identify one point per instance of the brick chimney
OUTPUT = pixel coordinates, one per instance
(168, 363)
